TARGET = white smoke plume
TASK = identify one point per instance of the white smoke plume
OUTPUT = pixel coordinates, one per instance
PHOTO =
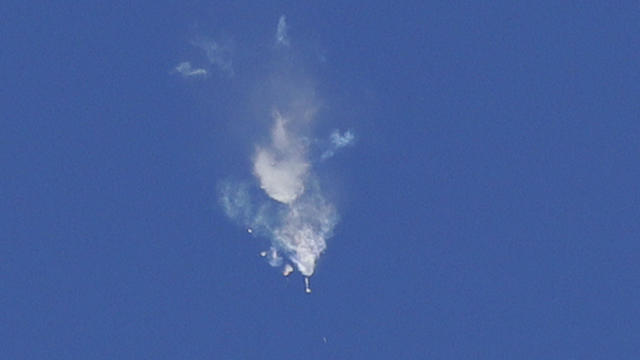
(285, 203)
(282, 166)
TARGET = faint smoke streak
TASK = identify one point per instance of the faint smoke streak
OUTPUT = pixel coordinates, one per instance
(281, 32)
(217, 54)
(185, 69)
(338, 141)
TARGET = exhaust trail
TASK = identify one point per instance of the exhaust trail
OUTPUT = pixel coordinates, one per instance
(285, 202)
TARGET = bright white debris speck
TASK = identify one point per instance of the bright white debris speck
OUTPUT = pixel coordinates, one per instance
(288, 269)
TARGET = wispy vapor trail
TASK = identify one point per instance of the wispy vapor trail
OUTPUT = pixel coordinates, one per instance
(338, 141)
(217, 54)
(281, 31)
(185, 69)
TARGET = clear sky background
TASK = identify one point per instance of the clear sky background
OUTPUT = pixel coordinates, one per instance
(489, 207)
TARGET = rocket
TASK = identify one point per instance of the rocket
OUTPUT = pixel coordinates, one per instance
(307, 288)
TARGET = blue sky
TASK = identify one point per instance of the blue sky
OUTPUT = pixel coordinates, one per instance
(487, 206)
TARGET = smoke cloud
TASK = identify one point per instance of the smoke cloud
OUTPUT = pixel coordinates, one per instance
(282, 166)
(285, 202)
(295, 215)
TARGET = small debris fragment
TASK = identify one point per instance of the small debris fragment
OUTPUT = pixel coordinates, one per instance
(288, 269)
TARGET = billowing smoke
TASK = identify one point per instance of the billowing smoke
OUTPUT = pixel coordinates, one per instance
(282, 166)
(285, 203)
(294, 215)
